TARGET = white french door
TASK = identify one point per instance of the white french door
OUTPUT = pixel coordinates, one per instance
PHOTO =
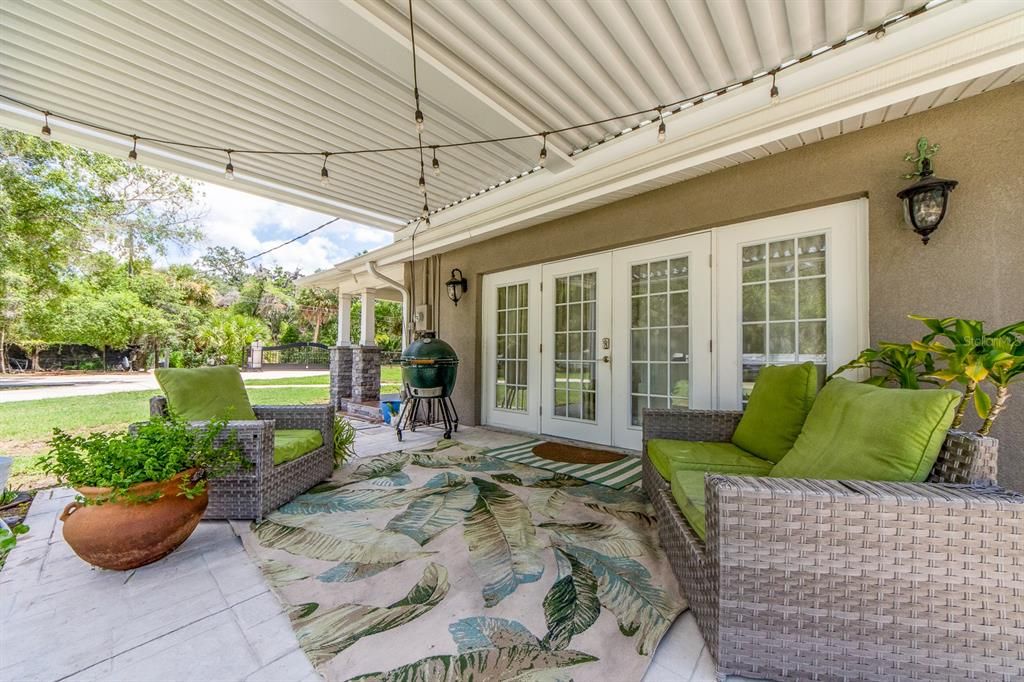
(511, 324)
(579, 348)
(577, 352)
(662, 316)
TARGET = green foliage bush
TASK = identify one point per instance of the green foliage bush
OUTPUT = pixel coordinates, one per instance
(153, 451)
(344, 440)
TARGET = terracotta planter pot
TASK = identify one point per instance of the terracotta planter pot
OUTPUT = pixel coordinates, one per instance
(121, 535)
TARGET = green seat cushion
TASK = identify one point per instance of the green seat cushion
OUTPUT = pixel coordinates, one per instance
(205, 393)
(867, 433)
(778, 405)
(291, 444)
(724, 458)
(688, 492)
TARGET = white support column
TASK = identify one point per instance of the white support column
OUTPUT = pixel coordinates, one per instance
(368, 326)
(344, 319)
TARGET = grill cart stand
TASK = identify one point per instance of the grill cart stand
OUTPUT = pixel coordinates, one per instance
(427, 410)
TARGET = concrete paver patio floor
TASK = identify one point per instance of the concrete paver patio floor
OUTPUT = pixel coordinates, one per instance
(204, 613)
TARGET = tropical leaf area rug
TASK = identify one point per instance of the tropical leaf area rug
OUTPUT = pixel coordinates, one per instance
(446, 564)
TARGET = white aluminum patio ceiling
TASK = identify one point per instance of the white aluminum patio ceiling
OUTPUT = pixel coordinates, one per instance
(317, 75)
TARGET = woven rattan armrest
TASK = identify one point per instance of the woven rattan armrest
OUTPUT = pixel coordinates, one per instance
(294, 416)
(694, 425)
(861, 580)
(254, 437)
(787, 523)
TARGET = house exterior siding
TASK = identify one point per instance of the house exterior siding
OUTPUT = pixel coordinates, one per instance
(973, 266)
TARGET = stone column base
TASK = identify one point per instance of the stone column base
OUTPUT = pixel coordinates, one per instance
(341, 375)
(365, 374)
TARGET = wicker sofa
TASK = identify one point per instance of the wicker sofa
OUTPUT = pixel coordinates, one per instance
(252, 493)
(850, 580)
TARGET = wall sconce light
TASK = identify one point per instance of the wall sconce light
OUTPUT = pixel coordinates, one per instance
(457, 286)
(925, 202)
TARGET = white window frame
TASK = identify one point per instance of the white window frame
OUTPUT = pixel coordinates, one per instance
(846, 228)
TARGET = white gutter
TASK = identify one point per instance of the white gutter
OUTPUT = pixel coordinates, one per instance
(371, 267)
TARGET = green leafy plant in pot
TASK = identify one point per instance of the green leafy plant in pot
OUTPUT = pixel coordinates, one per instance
(141, 492)
(975, 358)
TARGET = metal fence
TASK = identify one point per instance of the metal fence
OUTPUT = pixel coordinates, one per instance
(289, 356)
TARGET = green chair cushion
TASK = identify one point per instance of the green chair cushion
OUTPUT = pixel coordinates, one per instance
(724, 458)
(688, 492)
(778, 405)
(206, 393)
(863, 432)
(291, 444)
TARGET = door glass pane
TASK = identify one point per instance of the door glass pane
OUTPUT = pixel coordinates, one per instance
(660, 333)
(510, 390)
(785, 305)
(575, 390)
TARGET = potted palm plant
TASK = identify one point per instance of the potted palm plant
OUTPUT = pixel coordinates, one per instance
(141, 492)
(975, 358)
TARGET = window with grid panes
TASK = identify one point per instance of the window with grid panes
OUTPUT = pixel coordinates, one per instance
(785, 305)
(510, 390)
(659, 335)
(575, 334)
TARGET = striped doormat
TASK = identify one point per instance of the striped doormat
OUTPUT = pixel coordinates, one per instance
(618, 474)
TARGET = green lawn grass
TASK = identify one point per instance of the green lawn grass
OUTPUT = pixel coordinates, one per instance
(26, 425)
(389, 375)
(316, 380)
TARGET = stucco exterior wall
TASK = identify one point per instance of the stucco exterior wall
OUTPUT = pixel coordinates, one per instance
(973, 267)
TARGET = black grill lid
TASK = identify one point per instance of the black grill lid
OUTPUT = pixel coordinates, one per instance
(429, 350)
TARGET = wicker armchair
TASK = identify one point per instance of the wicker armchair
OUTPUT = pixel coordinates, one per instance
(252, 493)
(851, 580)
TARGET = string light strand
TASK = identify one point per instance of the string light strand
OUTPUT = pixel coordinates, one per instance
(670, 108)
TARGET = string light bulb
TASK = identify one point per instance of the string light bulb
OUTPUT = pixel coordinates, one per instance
(46, 132)
(661, 126)
(133, 155)
(774, 92)
(543, 150)
(880, 33)
(419, 121)
(436, 164)
(423, 185)
(425, 211)
(229, 169)
(325, 177)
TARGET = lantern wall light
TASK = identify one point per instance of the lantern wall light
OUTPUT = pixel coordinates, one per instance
(925, 202)
(457, 286)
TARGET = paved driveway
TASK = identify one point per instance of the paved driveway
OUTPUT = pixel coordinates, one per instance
(17, 387)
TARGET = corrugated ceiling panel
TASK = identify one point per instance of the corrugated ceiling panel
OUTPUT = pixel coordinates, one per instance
(266, 75)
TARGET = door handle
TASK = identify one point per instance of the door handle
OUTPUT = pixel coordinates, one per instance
(606, 359)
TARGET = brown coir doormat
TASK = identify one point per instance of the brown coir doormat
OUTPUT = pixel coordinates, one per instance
(557, 452)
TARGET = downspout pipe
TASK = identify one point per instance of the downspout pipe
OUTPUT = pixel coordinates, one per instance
(371, 267)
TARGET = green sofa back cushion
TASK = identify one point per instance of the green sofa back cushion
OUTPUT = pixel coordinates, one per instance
(778, 406)
(867, 433)
(291, 444)
(206, 393)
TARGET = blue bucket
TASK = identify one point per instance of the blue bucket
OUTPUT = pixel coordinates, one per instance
(390, 409)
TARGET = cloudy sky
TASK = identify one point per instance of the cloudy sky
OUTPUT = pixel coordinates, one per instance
(253, 224)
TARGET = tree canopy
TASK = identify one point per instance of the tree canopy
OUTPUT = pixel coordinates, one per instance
(79, 233)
